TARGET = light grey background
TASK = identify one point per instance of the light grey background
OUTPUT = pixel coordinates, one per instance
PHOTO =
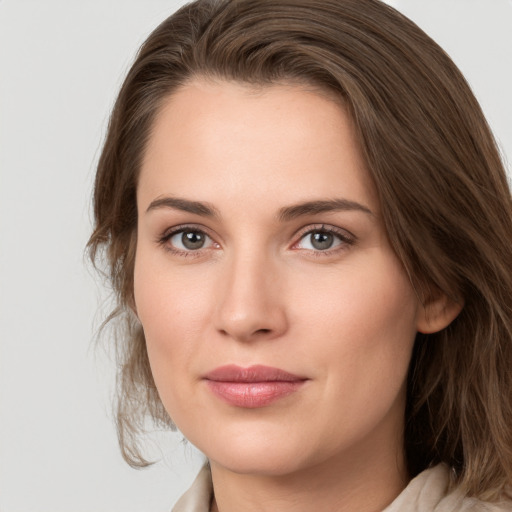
(61, 63)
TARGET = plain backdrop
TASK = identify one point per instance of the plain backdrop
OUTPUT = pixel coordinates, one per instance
(61, 63)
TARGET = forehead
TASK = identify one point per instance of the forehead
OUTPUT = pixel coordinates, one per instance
(281, 139)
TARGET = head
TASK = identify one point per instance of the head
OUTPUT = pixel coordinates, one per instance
(433, 170)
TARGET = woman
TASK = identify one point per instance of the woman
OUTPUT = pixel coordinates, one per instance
(307, 225)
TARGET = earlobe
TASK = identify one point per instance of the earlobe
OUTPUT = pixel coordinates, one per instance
(437, 314)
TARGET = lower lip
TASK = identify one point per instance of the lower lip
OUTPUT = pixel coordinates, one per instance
(253, 394)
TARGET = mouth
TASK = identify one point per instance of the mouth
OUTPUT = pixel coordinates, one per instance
(252, 387)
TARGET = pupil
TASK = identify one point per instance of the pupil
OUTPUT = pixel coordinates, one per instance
(322, 241)
(192, 239)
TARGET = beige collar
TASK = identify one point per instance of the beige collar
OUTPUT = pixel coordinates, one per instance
(425, 493)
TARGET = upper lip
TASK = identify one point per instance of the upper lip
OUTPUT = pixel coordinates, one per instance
(255, 373)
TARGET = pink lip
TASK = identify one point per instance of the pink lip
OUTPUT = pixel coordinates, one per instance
(252, 387)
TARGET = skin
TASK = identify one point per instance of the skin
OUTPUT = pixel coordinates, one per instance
(260, 292)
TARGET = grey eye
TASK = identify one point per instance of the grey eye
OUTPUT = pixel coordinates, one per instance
(190, 240)
(321, 240)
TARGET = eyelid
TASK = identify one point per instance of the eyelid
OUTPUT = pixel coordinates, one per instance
(184, 227)
(164, 238)
(347, 238)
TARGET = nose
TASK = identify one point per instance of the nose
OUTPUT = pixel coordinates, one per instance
(251, 304)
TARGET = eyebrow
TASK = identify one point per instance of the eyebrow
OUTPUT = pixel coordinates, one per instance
(185, 205)
(322, 206)
(286, 213)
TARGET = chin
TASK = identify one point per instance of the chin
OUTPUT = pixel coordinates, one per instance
(258, 450)
(257, 462)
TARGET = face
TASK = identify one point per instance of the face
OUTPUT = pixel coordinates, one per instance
(279, 323)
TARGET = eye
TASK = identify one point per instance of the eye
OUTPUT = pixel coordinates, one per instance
(324, 239)
(186, 240)
(189, 240)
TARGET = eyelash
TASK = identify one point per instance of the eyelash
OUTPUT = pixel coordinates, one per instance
(164, 239)
(345, 238)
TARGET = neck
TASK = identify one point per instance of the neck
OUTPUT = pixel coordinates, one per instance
(366, 483)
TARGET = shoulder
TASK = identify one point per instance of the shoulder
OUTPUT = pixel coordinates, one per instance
(429, 492)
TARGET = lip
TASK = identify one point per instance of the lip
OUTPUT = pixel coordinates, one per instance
(252, 387)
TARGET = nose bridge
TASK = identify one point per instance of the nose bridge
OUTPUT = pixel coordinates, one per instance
(249, 301)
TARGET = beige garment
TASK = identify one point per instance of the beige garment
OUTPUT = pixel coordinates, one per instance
(425, 493)
(199, 496)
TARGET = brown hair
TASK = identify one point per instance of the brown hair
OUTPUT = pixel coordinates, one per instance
(443, 190)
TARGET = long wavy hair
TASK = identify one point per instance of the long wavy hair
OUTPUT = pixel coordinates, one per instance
(445, 202)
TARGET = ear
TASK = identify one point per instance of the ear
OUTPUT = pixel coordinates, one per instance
(437, 314)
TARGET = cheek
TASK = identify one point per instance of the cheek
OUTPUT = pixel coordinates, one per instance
(173, 307)
(364, 326)
(362, 334)
(168, 297)
(370, 300)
